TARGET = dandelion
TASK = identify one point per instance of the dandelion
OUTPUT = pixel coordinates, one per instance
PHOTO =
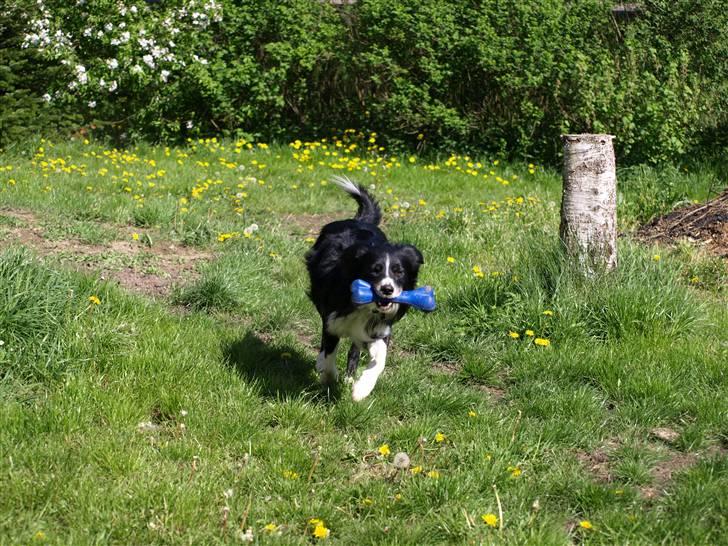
(319, 528)
(39, 536)
(530, 333)
(95, 300)
(401, 460)
(439, 437)
(384, 450)
(434, 474)
(290, 474)
(135, 236)
(450, 260)
(656, 258)
(548, 313)
(246, 536)
(490, 519)
(542, 342)
(478, 272)
(416, 469)
(586, 524)
(514, 335)
(515, 471)
(472, 413)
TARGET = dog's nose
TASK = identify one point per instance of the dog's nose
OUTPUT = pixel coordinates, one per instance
(386, 289)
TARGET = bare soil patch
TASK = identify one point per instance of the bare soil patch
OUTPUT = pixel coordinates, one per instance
(310, 224)
(151, 270)
(600, 462)
(704, 224)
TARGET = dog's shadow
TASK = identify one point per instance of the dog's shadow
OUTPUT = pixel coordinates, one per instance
(275, 371)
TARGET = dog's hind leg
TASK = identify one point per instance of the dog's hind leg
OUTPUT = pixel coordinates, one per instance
(377, 357)
(352, 361)
(326, 360)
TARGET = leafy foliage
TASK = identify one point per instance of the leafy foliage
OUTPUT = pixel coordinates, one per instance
(507, 78)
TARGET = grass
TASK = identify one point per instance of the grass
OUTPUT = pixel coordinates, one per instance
(194, 417)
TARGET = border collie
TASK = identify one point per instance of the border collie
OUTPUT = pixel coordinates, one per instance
(357, 249)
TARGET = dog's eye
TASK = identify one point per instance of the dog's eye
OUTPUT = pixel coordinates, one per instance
(397, 271)
(377, 268)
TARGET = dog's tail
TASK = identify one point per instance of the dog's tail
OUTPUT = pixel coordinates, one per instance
(369, 210)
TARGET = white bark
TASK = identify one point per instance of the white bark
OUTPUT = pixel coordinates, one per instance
(589, 202)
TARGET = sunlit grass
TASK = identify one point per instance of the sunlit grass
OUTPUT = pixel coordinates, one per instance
(198, 418)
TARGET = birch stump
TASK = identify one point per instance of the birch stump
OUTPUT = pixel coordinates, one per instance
(589, 202)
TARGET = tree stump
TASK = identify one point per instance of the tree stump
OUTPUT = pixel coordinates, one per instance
(589, 202)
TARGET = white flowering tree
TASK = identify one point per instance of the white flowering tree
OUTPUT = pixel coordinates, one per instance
(125, 56)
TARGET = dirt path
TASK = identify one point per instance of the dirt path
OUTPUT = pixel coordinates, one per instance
(133, 264)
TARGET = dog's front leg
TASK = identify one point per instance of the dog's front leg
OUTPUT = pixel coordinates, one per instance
(352, 362)
(326, 360)
(377, 357)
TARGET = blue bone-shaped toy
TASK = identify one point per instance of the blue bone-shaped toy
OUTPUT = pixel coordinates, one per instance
(423, 298)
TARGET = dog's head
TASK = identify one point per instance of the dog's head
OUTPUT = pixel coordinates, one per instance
(389, 269)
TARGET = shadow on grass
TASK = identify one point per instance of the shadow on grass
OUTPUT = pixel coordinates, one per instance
(276, 370)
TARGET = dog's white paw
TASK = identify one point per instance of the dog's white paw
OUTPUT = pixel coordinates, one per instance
(362, 389)
(328, 376)
(326, 367)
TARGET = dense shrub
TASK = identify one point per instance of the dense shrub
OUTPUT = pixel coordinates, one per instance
(24, 76)
(504, 77)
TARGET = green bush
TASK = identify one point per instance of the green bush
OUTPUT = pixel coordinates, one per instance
(491, 76)
(25, 77)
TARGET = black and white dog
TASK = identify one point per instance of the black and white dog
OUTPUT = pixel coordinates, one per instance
(357, 249)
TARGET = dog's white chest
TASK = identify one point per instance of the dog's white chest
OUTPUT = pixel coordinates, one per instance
(364, 325)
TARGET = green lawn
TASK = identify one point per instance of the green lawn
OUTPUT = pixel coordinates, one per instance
(156, 366)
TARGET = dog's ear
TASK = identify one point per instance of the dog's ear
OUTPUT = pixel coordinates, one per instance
(412, 255)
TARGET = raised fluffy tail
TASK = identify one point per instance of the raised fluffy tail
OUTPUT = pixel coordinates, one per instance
(369, 210)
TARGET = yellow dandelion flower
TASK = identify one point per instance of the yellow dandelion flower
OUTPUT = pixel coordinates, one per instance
(490, 519)
(472, 413)
(656, 258)
(439, 437)
(434, 474)
(586, 524)
(384, 450)
(450, 260)
(514, 335)
(319, 531)
(548, 313)
(95, 300)
(271, 528)
(416, 469)
(135, 236)
(515, 471)
(530, 333)
(542, 342)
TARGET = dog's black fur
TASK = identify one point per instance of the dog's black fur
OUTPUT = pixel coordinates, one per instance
(357, 249)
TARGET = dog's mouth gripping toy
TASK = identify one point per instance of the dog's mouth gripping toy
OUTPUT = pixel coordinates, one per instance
(422, 298)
